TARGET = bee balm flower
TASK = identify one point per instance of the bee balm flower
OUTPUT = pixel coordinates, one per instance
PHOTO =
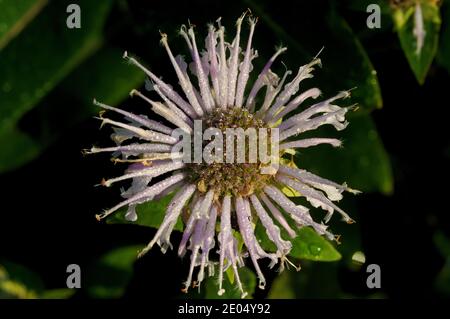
(223, 197)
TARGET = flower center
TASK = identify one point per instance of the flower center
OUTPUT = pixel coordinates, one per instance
(238, 179)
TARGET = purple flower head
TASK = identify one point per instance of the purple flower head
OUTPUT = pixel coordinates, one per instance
(220, 203)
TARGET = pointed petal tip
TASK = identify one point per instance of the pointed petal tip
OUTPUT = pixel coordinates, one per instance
(280, 49)
(241, 18)
(337, 239)
(320, 51)
(86, 151)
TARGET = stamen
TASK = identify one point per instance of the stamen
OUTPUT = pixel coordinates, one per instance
(284, 260)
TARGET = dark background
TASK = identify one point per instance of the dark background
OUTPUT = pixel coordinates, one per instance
(49, 204)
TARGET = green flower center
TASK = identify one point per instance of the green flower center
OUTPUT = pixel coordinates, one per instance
(234, 178)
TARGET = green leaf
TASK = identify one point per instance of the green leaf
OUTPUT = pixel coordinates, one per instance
(442, 243)
(16, 281)
(17, 149)
(28, 74)
(110, 274)
(351, 233)
(362, 162)
(310, 245)
(361, 74)
(15, 15)
(104, 76)
(306, 245)
(351, 68)
(404, 21)
(442, 281)
(281, 287)
(314, 280)
(63, 293)
(444, 48)
(248, 279)
(150, 214)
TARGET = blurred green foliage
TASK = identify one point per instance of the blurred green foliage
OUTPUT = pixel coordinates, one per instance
(109, 275)
(442, 281)
(75, 62)
(14, 18)
(444, 46)
(18, 282)
(25, 84)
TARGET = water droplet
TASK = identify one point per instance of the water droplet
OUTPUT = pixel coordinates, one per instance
(315, 250)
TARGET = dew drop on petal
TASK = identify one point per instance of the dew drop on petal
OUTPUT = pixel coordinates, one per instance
(315, 250)
(131, 216)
